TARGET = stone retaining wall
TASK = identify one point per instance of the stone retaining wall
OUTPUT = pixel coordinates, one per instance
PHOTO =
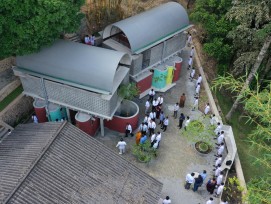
(20, 109)
(9, 88)
(6, 63)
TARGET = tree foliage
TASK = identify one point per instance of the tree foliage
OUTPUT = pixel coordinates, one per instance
(128, 91)
(212, 14)
(26, 26)
(257, 105)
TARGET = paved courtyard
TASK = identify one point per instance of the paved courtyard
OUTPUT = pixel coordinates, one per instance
(176, 155)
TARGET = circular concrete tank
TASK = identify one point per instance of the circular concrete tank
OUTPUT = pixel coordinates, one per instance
(85, 123)
(54, 112)
(128, 112)
(39, 107)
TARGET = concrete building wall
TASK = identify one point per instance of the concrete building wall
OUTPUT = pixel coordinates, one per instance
(183, 37)
(136, 64)
(172, 45)
(156, 54)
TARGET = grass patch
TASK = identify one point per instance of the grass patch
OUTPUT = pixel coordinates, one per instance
(14, 94)
(241, 130)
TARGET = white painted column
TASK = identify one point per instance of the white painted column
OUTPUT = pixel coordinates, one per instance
(102, 126)
(68, 114)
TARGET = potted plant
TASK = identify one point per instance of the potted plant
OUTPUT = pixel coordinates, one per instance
(201, 133)
(144, 152)
(128, 92)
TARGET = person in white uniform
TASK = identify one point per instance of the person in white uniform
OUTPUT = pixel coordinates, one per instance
(121, 145)
(219, 190)
(147, 106)
(186, 123)
(210, 201)
(218, 128)
(219, 178)
(197, 89)
(166, 200)
(196, 103)
(207, 109)
(192, 74)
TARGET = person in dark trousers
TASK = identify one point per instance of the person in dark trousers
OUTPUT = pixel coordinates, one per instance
(181, 119)
(165, 124)
(128, 130)
(210, 186)
(198, 182)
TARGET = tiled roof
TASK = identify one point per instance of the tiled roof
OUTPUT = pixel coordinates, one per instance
(74, 168)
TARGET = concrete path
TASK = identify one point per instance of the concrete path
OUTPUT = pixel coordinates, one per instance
(176, 155)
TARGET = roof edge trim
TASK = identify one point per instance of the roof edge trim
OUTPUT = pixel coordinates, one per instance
(161, 39)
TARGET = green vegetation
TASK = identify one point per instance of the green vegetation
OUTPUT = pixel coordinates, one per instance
(6, 101)
(26, 26)
(198, 131)
(257, 109)
(211, 14)
(128, 91)
(144, 152)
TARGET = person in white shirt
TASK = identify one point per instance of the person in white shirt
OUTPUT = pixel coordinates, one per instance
(9, 131)
(160, 100)
(158, 138)
(192, 51)
(35, 119)
(155, 145)
(212, 120)
(192, 74)
(151, 95)
(189, 180)
(152, 115)
(207, 109)
(218, 160)
(145, 128)
(147, 106)
(186, 122)
(218, 128)
(219, 178)
(92, 40)
(220, 149)
(189, 40)
(121, 145)
(175, 110)
(166, 200)
(153, 137)
(165, 124)
(190, 61)
(196, 103)
(219, 190)
(154, 104)
(199, 79)
(210, 201)
(197, 89)
(87, 40)
(151, 126)
(224, 202)
(128, 130)
(218, 170)
(145, 120)
(220, 138)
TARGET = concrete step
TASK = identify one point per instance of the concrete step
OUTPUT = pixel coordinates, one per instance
(3, 132)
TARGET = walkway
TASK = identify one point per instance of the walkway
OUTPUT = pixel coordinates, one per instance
(176, 156)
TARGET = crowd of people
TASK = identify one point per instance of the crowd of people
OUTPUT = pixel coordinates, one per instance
(215, 184)
(155, 117)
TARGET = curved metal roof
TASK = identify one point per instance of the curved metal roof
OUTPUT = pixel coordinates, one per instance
(76, 63)
(152, 27)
